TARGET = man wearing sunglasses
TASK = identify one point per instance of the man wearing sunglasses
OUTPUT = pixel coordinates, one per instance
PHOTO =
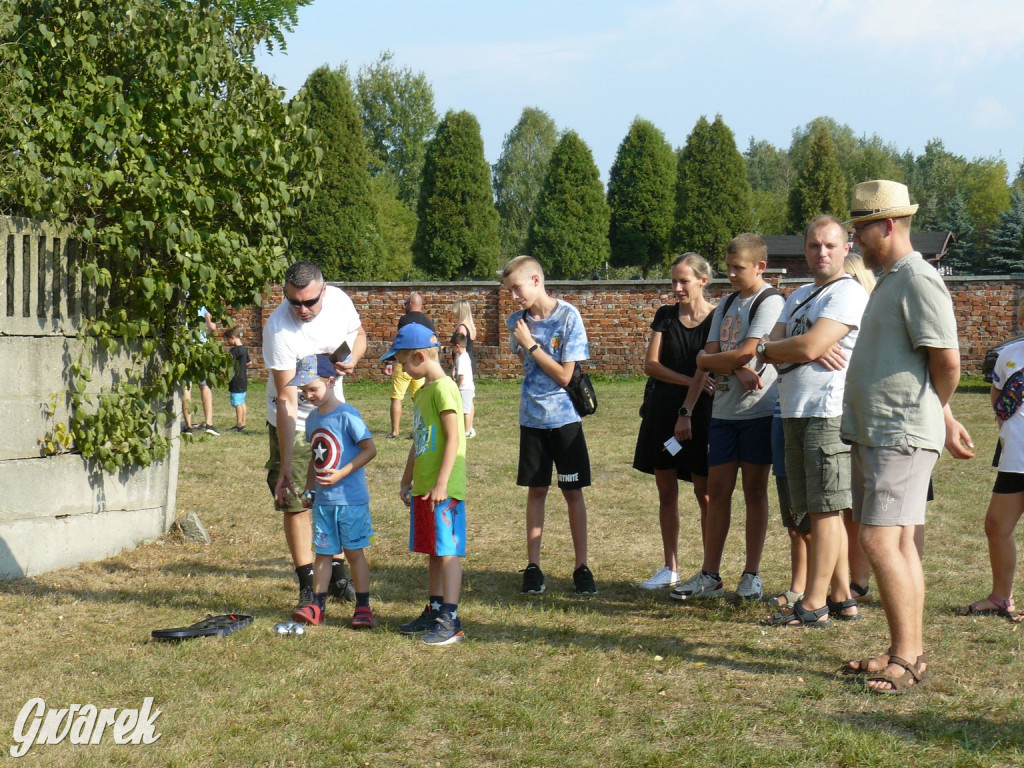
(314, 318)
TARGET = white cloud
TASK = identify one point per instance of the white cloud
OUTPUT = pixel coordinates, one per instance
(989, 114)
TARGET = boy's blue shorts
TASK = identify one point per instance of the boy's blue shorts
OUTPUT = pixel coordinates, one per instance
(337, 527)
(745, 440)
(437, 530)
(237, 399)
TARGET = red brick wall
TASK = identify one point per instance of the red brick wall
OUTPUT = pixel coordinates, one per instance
(617, 316)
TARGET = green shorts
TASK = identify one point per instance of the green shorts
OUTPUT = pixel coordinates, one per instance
(300, 465)
(817, 466)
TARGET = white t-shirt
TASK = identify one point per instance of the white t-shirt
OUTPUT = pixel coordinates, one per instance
(464, 368)
(1011, 432)
(811, 389)
(286, 340)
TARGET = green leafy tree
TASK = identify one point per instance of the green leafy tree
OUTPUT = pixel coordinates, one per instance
(519, 175)
(397, 107)
(397, 226)
(961, 256)
(820, 184)
(174, 161)
(1006, 245)
(986, 192)
(338, 229)
(935, 177)
(263, 20)
(712, 192)
(641, 198)
(860, 157)
(457, 229)
(770, 175)
(569, 231)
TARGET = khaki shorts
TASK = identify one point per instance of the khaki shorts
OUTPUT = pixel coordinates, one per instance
(402, 381)
(890, 483)
(817, 466)
(300, 465)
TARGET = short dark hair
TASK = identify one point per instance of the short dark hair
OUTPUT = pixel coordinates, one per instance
(459, 338)
(302, 273)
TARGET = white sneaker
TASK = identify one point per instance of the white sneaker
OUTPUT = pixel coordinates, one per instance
(471, 433)
(700, 585)
(666, 577)
(750, 587)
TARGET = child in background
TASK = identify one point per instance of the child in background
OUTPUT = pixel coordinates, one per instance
(239, 383)
(341, 447)
(463, 375)
(434, 483)
(1007, 503)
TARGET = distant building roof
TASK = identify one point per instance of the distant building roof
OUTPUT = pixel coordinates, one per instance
(787, 251)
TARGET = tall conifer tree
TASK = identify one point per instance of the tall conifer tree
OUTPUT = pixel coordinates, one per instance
(338, 229)
(641, 198)
(1006, 245)
(569, 231)
(457, 231)
(820, 185)
(712, 191)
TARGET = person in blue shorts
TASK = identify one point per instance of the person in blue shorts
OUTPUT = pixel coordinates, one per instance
(433, 485)
(341, 446)
(741, 418)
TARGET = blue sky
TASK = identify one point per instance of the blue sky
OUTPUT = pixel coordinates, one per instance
(908, 70)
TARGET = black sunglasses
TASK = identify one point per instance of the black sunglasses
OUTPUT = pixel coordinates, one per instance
(308, 303)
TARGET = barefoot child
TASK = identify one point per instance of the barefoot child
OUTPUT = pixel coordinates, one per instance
(341, 447)
(434, 484)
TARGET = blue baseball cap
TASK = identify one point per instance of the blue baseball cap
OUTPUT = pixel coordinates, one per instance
(311, 368)
(412, 336)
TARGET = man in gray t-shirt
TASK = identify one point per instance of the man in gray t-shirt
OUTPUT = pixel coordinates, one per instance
(902, 374)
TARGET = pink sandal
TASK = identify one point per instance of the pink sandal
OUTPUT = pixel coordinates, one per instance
(996, 607)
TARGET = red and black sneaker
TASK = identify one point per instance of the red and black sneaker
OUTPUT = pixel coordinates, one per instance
(363, 618)
(309, 614)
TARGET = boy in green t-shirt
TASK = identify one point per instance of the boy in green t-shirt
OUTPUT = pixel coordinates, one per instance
(434, 483)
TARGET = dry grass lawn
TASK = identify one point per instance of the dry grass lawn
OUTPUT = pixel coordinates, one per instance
(622, 679)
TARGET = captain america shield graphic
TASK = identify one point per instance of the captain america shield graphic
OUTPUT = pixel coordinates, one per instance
(326, 450)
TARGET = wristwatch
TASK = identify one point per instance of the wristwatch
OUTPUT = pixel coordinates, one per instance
(533, 349)
(684, 411)
(761, 349)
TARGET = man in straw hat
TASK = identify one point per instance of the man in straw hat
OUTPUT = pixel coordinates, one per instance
(902, 374)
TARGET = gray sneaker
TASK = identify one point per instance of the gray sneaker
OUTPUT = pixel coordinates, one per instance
(445, 632)
(750, 587)
(699, 586)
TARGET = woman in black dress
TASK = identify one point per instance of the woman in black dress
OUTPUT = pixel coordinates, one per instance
(678, 332)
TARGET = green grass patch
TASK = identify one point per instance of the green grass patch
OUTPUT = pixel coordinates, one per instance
(623, 679)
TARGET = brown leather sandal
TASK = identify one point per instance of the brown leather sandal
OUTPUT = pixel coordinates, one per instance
(913, 676)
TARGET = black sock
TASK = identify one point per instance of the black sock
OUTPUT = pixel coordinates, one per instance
(436, 601)
(362, 599)
(451, 609)
(715, 576)
(320, 600)
(305, 574)
(338, 570)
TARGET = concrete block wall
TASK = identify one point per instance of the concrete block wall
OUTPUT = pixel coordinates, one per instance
(60, 510)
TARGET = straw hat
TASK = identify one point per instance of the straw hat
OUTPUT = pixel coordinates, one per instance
(874, 200)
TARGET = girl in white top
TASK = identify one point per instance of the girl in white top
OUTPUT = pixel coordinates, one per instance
(1007, 503)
